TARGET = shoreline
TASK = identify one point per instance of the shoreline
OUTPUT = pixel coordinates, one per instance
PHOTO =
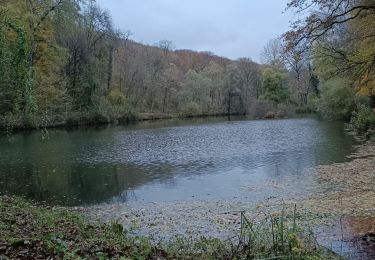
(340, 192)
(142, 117)
(34, 231)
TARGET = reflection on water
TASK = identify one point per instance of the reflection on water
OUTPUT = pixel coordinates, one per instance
(165, 160)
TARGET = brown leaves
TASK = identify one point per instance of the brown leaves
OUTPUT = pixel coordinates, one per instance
(31, 231)
(25, 249)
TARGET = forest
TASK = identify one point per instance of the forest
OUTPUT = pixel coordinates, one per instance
(215, 184)
(63, 63)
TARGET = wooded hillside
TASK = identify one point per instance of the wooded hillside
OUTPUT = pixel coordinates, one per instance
(63, 63)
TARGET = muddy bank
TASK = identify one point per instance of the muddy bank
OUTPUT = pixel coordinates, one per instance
(350, 236)
(338, 193)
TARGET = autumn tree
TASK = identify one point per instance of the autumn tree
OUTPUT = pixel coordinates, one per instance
(298, 63)
(90, 52)
(31, 22)
(166, 45)
(342, 31)
(249, 75)
(14, 71)
(169, 86)
(216, 74)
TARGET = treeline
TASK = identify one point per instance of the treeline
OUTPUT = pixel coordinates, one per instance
(338, 39)
(62, 62)
(55, 60)
(162, 80)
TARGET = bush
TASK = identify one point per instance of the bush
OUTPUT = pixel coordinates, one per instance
(337, 100)
(116, 97)
(86, 118)
(113, 107)
(363, 120)
(311, 105)
(264, 109)
(10, 122)
(190, 109)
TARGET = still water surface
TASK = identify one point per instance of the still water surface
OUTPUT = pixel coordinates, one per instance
(169, 160)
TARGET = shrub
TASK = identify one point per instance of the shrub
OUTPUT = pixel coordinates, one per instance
(263, 109)
(190, 109)
(363, 120)
(310, 107)
(114, 106)
(116, 97)
(337, 100)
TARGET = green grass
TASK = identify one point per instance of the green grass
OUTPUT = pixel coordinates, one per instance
(29, 230)
(279, 236)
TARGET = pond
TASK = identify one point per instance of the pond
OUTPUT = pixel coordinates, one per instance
(198, 159)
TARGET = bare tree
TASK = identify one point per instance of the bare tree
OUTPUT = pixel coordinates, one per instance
(249, 74)
(166, 45)
(272, 52)
(325, 16)
(297, 62)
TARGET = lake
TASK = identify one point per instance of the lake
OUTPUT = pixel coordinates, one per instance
(174, 160)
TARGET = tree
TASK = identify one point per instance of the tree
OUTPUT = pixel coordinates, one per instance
(166, 46)
(169, 84)
(298, 63)
(62, 61)
(337, 99)
(195, 94)
(325, 16)
(272, 53)
(31, 22)
(216, 74)
(15, 79)
(40, 11)
(343, 31)
(274, 87)
(233, 100)
(249, 75)
(90, 52)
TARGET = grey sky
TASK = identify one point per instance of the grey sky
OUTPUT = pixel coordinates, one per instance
(230, 28)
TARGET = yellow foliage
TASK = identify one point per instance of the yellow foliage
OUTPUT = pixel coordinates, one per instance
(364, 52)
(116, 97)
(366, 85)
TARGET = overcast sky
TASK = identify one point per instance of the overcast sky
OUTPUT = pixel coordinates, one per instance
(230, 28)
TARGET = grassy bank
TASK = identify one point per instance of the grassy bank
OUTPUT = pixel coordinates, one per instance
(31, 231)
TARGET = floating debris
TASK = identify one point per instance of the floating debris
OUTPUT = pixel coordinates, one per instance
(336, 191)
